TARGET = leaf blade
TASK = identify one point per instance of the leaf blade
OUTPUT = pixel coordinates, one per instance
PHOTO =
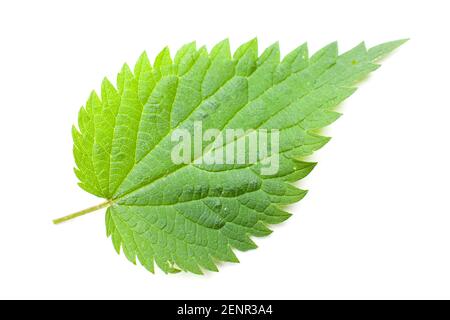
(191, 216)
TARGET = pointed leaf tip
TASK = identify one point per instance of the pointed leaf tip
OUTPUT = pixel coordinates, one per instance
(382, 50)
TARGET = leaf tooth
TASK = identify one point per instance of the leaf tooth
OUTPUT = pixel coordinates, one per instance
(76, 136)
(163, 58)
(184, 50)
(238, 237)
(230, 255)
(147, 263)
(295, 61)
(116, 240)
(223, 251)
(250, 47)
(273, 49)
(329, 52)
(106, 88)
(319, 119)
(260, 230)
(142, 62)
(203, 259)
(185, 263)
(109, 223)
(203, 51)
(83, 118)
(283, 193)
(145, 253)
(89, 189)
(355, 55)
(299, 170)
(274, 215)
(313, 142)
(94, 103)
(221, 50)
(124, 75)
(185, 58)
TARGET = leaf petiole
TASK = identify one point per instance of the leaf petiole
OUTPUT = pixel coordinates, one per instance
(83, 212)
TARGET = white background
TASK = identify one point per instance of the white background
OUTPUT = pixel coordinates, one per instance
(376, 222)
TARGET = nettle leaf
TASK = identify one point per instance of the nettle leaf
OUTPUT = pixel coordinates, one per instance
(191, 215)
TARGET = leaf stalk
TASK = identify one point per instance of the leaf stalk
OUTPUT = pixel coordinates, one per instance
(83, 212)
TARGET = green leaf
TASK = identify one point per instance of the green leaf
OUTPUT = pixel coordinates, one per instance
(190, 216)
